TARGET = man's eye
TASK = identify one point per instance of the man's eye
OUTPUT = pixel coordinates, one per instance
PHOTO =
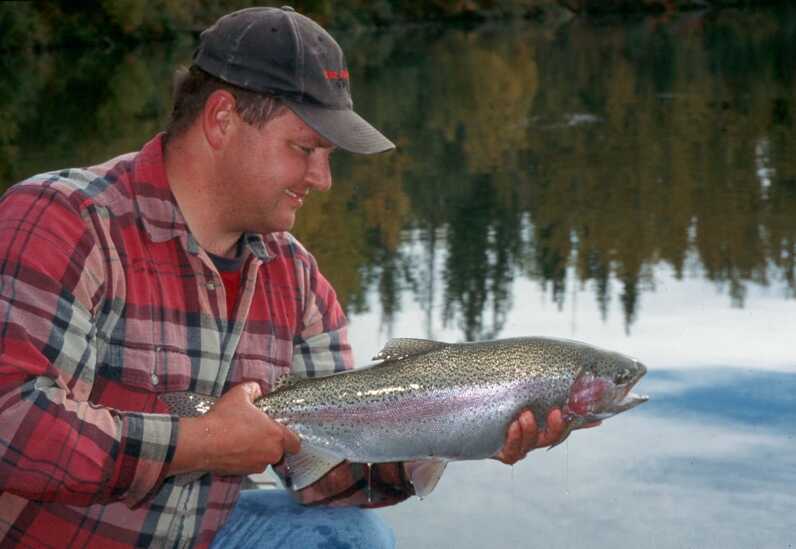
(306, 150)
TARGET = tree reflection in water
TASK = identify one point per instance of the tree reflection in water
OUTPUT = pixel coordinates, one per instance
(523, 150)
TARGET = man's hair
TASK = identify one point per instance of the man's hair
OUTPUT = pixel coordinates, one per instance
(193, 86)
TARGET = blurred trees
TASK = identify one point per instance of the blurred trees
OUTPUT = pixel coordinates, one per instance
(54, 23)
(605, 148)
(586, 154)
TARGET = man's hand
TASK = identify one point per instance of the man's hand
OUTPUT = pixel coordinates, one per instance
(234, 438)
(523, 435)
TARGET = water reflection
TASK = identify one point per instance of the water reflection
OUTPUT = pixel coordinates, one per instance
(613, 148)
(709, 462)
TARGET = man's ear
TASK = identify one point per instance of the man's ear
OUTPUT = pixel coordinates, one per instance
(219, 118)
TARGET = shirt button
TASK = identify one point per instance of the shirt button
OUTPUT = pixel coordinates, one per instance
(155, 379)
(212, 285)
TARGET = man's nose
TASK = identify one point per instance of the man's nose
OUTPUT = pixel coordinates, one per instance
(319, 174)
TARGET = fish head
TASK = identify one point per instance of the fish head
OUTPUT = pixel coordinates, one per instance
(603, 387)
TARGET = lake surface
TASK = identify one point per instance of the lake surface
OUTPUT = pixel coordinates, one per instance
(629, 183)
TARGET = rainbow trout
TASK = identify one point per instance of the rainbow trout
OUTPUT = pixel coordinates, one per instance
(429, 402)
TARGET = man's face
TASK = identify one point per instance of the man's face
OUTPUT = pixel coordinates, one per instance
(269, 171)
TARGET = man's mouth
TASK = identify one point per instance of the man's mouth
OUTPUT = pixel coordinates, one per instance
(299, 197)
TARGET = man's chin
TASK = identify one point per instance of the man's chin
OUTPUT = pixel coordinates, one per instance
(276, 227)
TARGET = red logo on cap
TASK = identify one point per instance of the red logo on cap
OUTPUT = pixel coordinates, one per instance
(336, 75)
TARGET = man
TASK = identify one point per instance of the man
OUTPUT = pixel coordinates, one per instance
(170, 269)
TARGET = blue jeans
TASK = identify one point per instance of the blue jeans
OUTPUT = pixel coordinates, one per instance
(271, 518)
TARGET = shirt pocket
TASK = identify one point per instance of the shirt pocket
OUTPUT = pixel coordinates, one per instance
(148, 367)
(264, 358)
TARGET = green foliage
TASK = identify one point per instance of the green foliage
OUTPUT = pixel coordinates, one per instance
(21, 25)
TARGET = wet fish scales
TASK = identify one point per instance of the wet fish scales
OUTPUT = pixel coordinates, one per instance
(436, 400)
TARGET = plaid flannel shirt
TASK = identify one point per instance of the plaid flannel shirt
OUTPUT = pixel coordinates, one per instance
(106, 301)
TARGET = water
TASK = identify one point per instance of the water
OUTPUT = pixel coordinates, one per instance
(631, 184)
(708, 463)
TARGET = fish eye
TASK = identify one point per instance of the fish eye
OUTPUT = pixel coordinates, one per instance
(622, 377)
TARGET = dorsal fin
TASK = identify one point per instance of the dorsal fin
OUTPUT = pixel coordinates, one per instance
(404, 347)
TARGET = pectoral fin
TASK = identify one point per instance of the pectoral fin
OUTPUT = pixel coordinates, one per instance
(309, 465)
(425, 474)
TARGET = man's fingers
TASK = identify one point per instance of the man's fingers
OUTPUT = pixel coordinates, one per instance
(554, 428)
(524, 435)
(530, 433)
(511, 446)
(252, 390)
(555, 421)
(514, 442)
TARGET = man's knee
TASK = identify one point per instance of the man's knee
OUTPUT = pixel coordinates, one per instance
(354, 528)
(269, 516)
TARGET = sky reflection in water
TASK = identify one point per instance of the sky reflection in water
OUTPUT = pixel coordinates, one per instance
(638, 201)
(709, 461)
(664, 475)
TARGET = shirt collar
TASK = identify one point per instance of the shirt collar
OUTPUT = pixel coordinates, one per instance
(158, 210)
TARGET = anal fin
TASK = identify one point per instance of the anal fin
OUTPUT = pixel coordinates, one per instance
(425, 474)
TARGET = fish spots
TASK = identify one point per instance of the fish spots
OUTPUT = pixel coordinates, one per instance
(450, 400)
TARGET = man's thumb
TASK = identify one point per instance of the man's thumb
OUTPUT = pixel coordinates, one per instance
(252, 390)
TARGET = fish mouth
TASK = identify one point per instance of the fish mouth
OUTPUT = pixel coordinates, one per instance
(594, 398)
(629, 399)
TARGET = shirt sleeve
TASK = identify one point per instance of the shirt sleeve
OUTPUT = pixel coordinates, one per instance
(55, 445)
(321, 347)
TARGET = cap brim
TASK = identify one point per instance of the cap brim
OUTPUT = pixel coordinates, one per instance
(343, 127)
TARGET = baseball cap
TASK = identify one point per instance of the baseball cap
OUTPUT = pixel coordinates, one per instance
(281, 52)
